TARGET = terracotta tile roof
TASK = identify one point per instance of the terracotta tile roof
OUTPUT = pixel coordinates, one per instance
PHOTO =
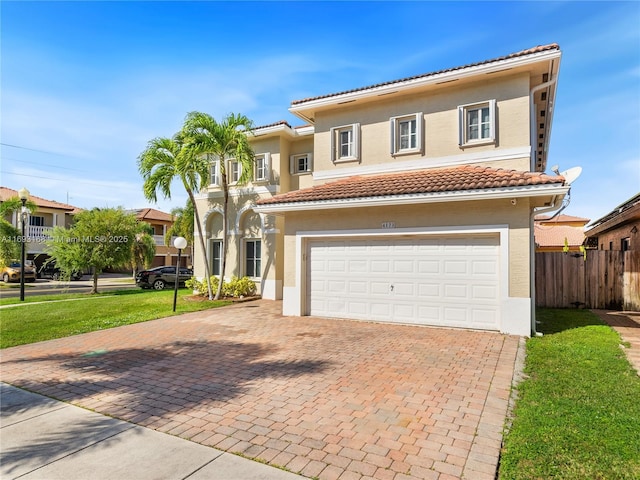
(433, 180)
(554, 236)
(7, 193)
(522, 53)
(152, 214)
(560, 219)
(274, 124)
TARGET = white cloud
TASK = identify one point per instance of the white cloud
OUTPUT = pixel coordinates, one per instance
(88, 192)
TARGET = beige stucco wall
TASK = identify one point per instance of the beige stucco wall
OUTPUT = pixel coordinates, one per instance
(244, 223)
(440, 114)
(478, 213)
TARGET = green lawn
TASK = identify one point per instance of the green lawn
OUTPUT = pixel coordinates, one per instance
(578, 413)
(82, 313)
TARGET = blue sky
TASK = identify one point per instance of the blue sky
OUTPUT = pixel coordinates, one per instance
(85, 85)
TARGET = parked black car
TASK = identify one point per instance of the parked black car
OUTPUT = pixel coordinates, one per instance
(158, 277)
(51, 270)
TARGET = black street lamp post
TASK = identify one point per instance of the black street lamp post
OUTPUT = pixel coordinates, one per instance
(23, 193)
(179, 243)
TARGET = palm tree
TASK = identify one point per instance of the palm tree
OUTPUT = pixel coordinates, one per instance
(221, 141)
(182, 225)
(143, 248)
(167, 159)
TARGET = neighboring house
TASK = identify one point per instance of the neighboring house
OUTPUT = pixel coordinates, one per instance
(48, 214)
(563, 233)
(410, 201)
(160, 223)
(617, 230)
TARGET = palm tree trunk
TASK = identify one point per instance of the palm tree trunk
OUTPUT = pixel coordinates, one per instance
(225, 221)
(202, 244)
(94, 289)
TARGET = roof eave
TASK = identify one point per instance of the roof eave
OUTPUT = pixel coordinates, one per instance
(620, 220)
(305, 110)
(433, 197)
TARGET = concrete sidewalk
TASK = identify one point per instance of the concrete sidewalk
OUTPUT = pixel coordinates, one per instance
(41, 438)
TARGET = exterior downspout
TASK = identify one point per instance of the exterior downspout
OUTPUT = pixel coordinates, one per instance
(532, 120)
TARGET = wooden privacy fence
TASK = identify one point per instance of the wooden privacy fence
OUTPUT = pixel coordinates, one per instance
(605, 279)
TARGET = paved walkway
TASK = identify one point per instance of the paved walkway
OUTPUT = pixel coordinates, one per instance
(627, 324)
(324, 398)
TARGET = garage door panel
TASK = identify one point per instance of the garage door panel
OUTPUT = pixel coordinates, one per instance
(358, 266)
(455, 267)
(318, 286)
(358, 309)
(403, 266)
(435, 280)
(429, 290)
(404, 288)
(483, 292)
(455, 316)
(379, 310)
(428, 267)
(483, 267)
(404, 312)
(380, 288)
(431, 315)
(380, 266)
(454, 292)
(358, 288)
(336, 266)
(484, 318)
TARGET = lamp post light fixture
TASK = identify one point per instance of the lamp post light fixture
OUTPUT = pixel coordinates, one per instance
(179, 243)
(23, 194)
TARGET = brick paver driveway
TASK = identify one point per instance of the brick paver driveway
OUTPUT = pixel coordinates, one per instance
(326, 398)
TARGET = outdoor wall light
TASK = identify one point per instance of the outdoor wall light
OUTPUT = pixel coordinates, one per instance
(179, 243)
(23, 194)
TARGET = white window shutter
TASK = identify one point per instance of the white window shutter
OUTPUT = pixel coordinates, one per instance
(492, 119)
(292, 165)
(394, 126)
(419, 128)
(461, 126)
(356, 140)
(333, 145)
(310, 162)
(267, 166)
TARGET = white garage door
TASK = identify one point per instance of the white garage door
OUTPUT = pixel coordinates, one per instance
(446, 281)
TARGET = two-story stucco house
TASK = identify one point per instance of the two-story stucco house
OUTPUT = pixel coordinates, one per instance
(48, 214)
(410, 201)
(160, 223)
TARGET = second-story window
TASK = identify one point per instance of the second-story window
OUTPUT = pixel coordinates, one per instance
(261, 167)
(235, 170)
(477, 123)
(406, 134)
(301, 163)
(345, 143)
(215, 173)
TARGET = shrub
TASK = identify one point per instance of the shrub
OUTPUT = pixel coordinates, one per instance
(237, 287)
(200, 287)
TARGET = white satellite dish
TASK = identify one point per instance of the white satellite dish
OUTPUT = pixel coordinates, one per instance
(571, 174)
